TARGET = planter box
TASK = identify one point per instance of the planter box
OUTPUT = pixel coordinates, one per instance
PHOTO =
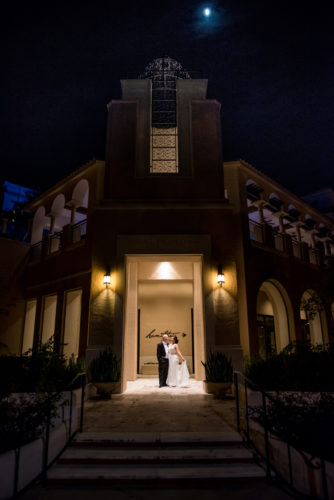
(107, 388)
(219, 389)
(7, 467)
(31, 454)
(306, 479)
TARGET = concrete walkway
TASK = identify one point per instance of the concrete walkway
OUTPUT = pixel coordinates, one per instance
(146, 408)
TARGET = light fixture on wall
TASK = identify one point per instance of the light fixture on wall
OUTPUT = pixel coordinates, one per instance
(220, 276)
(106, 277)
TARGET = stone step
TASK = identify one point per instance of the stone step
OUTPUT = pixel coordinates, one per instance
(149, 439)
(73, 474)
(154, 455)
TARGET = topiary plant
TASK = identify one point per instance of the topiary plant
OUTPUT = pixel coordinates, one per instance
(218, 368)
(105, 368)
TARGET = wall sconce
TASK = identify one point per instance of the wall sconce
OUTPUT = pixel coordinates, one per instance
(220, 276)
(106, 277)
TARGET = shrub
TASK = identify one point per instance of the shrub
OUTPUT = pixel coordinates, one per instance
(105, 368)
(303, 421)
(23, 418)
(43, 371)
(298, 367)
(218, 368)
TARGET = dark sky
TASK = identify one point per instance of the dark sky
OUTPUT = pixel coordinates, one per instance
(270, 64)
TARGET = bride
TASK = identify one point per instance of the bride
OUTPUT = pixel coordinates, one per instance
(178, 375)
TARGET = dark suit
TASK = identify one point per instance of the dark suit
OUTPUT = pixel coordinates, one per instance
(163, 364)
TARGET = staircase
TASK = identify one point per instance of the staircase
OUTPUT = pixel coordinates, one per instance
(154, 458)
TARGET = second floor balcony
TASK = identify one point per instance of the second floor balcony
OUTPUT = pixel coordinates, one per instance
(266, 236)
(71, 235)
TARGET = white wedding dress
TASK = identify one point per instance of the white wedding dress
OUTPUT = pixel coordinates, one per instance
(178, 374)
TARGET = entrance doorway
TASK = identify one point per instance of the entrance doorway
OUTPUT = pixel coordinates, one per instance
(163, 295)
(164, 307)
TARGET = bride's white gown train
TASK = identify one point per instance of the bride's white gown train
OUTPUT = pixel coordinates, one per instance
(178, 374)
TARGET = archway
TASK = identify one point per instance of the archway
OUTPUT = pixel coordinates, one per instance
(163, 293)
(274, 318)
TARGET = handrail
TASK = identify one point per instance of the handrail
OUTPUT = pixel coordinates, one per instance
(82, 227)
(47, 425)
(57, 236)
(247, 383)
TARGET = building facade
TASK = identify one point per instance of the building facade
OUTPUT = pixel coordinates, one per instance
(157, 220)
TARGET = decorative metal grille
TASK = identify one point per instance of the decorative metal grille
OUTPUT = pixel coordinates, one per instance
(164, 72)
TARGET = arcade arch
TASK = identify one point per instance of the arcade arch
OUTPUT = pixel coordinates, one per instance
(38, 224)
(274, 318)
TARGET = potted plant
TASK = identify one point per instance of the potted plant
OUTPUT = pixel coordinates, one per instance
(218, 374)
(105, 373)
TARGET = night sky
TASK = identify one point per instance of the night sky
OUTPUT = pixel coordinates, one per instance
(270, 64)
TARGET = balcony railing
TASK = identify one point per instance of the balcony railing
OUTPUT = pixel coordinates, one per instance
(296, 249)
(256, 231)
(55, 242)
(36, 251)
(266, 235)
(314, 256)
(79, 231)
(279, 241)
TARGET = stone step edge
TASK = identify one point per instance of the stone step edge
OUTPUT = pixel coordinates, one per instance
(157, 470)
(230, 435)
(102, 482)
(153, 444)
(156, 460)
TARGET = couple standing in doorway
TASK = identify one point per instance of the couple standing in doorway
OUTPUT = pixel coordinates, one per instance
(173, 371)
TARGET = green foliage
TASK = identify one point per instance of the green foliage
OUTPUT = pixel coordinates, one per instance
(23, 418)
(43, 370)
(312, 306)
(105, 368)
(35, 375)
(218, 368)
(298, 367)
(303, 420)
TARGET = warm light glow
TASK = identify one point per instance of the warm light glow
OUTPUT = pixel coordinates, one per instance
(221, 279)
(165, 271)
(106, 279)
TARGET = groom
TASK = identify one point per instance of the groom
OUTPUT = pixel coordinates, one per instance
(162, 355)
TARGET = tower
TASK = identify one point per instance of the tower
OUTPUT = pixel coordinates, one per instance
(164, 138)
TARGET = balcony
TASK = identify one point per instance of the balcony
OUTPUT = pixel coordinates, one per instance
(55, 243)
(78, 231)
(265, 235)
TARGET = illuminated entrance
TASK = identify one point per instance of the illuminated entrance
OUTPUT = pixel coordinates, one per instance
(163, 295)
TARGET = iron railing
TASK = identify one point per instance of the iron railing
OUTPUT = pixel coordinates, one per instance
(256, 231)
(314, 256)
(252, 402)
(55, 242)
(79, 230)
(279, 241)
(296, 248)
(46, 407)
(36, 251)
